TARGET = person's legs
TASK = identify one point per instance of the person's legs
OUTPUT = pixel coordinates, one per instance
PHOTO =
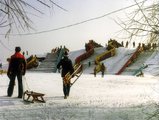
(11, 85)
(102, 74)
(68, 89)
(64, 90)
(20, 86)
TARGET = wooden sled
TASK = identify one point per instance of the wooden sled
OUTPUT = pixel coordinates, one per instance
(35, 96)
(2, 72)
(77, 76)
(77, 73)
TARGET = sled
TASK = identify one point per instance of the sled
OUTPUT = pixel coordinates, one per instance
(141, 74)
(76, 74)
(138, 71)
(2, 72)
(35, 96)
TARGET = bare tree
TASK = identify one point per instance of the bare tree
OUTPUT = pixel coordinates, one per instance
(14, 13)
(143, 22)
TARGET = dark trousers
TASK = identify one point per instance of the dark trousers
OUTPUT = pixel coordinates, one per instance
(102, 74)
(12, 83)
(66, 89)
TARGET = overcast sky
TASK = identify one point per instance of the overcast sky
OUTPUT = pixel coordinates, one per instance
(74, 37)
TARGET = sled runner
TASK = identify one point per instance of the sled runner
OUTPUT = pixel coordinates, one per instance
(76, 74)
(35, 96)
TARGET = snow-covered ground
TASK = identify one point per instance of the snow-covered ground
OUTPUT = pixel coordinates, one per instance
(91, 98)
(113, 97)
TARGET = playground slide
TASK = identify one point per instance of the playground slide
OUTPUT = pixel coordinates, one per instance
(103, 56)
(3, 72)
(89, 51)
(130, 60)
(32, 62)
(84, 56)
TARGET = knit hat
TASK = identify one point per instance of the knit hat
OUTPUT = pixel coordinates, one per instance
(17, 49)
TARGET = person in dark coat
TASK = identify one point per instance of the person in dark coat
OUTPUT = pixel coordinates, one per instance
(103, 69)
(16, 68)
(126, 44)
(67, 66)
(133, 44)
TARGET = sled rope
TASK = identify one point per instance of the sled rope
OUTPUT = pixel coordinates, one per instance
(26, 83)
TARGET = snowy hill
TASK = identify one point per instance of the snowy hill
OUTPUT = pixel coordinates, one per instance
(115, 63)
(141, 59)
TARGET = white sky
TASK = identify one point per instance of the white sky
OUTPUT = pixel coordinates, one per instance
(74, 37)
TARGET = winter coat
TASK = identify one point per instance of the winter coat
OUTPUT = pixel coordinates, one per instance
(103, 68)
(67, 66)
(17, 64)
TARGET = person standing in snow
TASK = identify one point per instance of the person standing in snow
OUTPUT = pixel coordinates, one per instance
(103, 69)
(16, 68)
(67, 66)
(133, 44)
(95, 72)
(126, 44)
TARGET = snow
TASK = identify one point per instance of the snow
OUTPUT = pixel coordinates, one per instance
(113, 97)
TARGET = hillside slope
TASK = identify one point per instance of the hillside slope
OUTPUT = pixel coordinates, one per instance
(138, 63)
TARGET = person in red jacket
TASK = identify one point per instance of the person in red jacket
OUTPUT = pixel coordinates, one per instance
(16, 68)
